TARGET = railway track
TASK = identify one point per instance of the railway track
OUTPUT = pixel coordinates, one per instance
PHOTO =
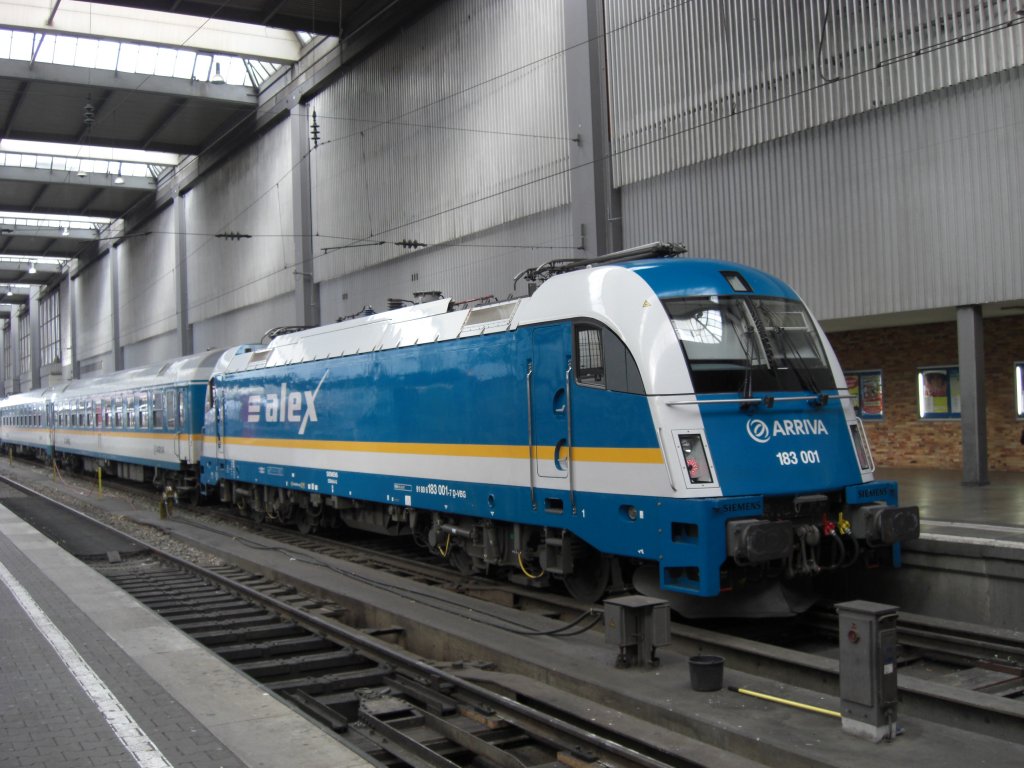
(985, 698)
(388, 705)
(384, 702)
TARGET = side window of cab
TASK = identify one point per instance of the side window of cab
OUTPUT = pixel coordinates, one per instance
(602, 360)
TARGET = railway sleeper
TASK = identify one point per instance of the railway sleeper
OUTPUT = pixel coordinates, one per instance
(274, 648)
(280, 667)
(365, 675)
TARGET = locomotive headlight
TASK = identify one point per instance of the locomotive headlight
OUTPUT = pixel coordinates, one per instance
(860, 445)
(695, 459)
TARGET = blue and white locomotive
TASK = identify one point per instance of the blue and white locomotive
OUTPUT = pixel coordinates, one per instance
(679, 422)
(683, 421)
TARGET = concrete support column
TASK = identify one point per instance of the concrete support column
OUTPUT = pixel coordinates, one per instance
(971, 350)
(307, 292)
(596, 204)
(16, 321)
(3, 361)
(185, 340)
(35, 360)
(115, 309)
(76, 368)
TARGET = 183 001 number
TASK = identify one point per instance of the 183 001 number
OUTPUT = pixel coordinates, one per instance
(792, 458)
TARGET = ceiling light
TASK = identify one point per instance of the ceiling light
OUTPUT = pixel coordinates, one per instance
(119, 179)
(217, 79)
(9, 291)
(81, 173)
(32, 268)
(65, 231)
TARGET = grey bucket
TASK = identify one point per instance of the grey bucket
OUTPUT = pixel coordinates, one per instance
(706, 673)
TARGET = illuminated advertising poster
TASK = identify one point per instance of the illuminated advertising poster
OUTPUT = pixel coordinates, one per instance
(939, 392)
(853, 384)
(871, 395)
(1019, 372)
(866, 393)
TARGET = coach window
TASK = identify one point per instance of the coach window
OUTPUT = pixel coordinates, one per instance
(118, 412)
(143, 410)
(603, 361)
(158, 410)
(172, 410)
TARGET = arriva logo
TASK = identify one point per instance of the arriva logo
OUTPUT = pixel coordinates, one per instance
(285, 407)
(760, 432)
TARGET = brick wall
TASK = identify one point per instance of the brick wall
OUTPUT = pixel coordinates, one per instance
(902, 438)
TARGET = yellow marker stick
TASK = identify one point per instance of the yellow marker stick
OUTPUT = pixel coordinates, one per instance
(787, 702)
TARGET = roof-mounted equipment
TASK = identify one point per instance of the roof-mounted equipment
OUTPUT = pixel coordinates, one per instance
(536, 275)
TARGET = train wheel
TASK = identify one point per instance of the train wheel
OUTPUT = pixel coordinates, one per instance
(308, 522)
(590, 574)
(460, 560)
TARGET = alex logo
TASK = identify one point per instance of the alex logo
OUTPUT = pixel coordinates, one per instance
(291, 407)
(760, 432)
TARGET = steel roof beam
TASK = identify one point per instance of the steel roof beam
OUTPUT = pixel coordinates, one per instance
(54, 233)
(101, 79)
(47, 176)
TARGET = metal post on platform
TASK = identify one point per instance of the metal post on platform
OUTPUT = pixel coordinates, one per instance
(638, 625)
(868, 651)
(99, 481)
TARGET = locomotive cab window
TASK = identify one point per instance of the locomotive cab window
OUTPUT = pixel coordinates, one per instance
(741, 344)
(602, 360)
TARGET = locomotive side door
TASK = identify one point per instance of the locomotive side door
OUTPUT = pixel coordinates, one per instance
(549, 405)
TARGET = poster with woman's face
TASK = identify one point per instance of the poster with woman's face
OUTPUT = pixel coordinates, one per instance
(939, 392)
(934, 393)
(871, 395)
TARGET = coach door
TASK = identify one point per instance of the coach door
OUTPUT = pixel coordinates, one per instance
(174, 403)
(549, 401)
(51, 423)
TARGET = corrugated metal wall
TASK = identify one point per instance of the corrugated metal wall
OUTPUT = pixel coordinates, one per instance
(244, 325)
(147, 281)
(909, 207)
(93, 305)
(153, 348)
(696, 80)
(483, 265)
(250, 194)
(457, 125)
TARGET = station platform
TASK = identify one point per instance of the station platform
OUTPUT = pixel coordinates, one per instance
(89, 677)
(943, 498)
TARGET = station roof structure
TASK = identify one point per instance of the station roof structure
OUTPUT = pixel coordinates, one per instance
(99, 100)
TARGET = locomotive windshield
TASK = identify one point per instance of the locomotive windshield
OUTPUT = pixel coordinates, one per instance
(743, 344)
